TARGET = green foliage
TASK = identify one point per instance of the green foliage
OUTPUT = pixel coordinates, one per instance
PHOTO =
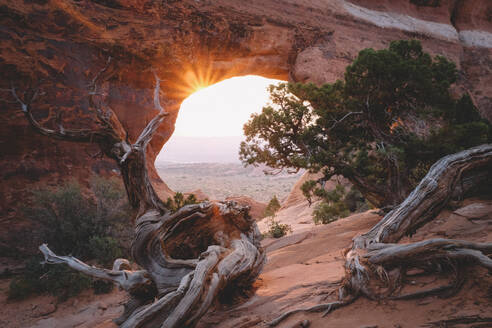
(70, 219)
(277, 229)
(21, 288)
(102, 286)
(59, 280)
(366, 127)
(272, 207)
(325, 213)
(77, 224)
(355, 201)
(178, 201)
(67, 217)
(105, 249)
(335, 204)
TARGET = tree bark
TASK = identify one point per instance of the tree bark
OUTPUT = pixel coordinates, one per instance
(188, 257)
(373, 254)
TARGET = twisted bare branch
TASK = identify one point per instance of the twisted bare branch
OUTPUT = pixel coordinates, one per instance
(150, 129)
(187, 257)
(372, 253)
(127, 280)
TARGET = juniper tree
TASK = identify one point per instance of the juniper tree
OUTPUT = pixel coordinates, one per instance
(382, 126)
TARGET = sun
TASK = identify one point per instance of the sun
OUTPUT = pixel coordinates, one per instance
(222, 108)
(197, 76)
(196, 80)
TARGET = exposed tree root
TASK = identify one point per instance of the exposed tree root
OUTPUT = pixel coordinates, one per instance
(185, 289)
(375, 261)
(327, 307)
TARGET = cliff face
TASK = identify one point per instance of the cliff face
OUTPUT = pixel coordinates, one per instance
(60, 46)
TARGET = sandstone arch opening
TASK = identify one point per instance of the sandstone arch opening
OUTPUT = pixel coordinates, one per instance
(206, 140)
(210, 120)
(174, 287)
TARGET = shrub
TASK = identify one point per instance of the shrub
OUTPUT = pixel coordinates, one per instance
(336, 203)
(77, 224)
(355, 201)
(20, 288)
(426, 3)
(178, 201)
(104, 249)
(277, 229)
(70, 219)
(272, 207)
(59, 280)
(325, 213)
(102, 286)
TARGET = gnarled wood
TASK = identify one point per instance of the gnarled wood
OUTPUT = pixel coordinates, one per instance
(374, 253)
(121, 275)
(456, 172)
(188, 257)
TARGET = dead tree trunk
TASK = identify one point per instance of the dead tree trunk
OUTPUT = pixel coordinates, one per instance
(189, 257)
(374, 255)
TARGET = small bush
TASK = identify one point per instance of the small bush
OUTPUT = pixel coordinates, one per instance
(77, 224)
(178, 201)
(355, 201)
(104, 249)
(426, 3)
(58, 280)
(20, 288)
(102, 286)
(325, 213)
(71, 219)
(272, 207)
(337, 203)
(277, 229)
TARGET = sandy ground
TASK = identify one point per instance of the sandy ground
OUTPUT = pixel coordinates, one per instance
(298, 216)
(303, 269)
(84, 311)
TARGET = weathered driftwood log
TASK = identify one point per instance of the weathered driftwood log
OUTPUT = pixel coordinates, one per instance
(374, 254)
(187, 258)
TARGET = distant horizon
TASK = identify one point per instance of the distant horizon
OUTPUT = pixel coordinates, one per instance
(205, 149)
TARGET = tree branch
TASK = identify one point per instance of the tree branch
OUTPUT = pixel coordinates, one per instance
(127, 280)
(343, 118)
(80, 135)
(430, 196)
(150, 129)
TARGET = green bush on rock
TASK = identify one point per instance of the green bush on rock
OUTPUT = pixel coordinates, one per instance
(77, 224)
(178, 201)
(277, 229)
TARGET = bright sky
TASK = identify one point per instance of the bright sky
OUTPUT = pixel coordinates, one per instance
(222, 109)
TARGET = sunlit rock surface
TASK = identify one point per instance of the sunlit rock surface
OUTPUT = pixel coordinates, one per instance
(59, 46)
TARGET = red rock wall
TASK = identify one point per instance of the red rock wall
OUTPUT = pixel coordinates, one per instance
(60, 45)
